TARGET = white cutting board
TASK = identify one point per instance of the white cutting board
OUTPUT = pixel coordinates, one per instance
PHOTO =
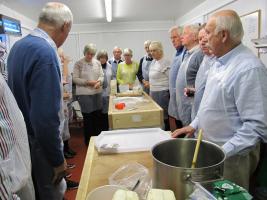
(130, 140)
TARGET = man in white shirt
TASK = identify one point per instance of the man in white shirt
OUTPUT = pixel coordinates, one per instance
(233, 110)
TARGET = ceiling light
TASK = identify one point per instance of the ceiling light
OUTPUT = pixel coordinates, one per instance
(108, 7)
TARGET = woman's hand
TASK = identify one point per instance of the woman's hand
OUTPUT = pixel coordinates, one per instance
(91, 83)
(97, 85)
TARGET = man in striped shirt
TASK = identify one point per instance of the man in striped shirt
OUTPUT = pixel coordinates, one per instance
(15, 163)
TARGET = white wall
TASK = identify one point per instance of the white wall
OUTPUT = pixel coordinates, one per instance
(204, 10)
(26, 24)
(125, 35)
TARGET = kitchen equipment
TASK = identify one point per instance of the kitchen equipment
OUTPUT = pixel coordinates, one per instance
(172, 161)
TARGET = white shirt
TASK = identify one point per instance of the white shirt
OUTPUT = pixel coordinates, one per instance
(233, 110)
(159, 75)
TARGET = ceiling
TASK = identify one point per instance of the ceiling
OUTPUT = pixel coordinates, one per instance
(92, 11)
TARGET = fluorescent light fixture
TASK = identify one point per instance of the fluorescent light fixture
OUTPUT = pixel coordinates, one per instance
(108, 7)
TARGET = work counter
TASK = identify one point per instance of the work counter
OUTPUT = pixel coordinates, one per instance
(99, 167)
(144, 114)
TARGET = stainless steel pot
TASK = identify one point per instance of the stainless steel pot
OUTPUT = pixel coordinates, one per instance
(172, 161)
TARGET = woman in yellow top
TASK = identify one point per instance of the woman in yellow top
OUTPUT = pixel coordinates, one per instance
(127, 70)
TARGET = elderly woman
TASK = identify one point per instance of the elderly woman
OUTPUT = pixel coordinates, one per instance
(127, 70)
(88, 77)
(159, 79)
(102, 56)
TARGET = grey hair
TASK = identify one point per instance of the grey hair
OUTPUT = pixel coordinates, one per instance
(178, 29)
(55, 14)
(102, 54)
(147, 43)
(127, 51)
(116, 47)
(231, 23)
(157, 45)
(195, 28)
(91, 48)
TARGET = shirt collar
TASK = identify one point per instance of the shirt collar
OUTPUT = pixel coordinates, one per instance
(179, 50)
(226, 57)
(42, 34)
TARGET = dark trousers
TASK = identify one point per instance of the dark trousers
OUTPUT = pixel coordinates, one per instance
(104, 120)
(91, 124)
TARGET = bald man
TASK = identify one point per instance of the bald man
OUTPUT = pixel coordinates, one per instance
(233, 110)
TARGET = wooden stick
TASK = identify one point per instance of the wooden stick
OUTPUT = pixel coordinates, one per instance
(199, 138)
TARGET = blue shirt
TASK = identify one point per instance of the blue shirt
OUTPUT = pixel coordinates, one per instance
(233, 110)
(34, 78)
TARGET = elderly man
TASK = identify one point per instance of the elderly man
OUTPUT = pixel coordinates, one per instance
(117, 52)
(203, 70)
(187, 72)
(15, 160)
(233, 110)
(35, 79)
(175, 35)
(144, 65)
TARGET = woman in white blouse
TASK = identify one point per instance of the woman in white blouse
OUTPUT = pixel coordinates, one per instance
(159, 79)
(88, 77)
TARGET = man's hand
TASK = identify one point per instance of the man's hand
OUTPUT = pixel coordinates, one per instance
(188, 131)
(59, 173)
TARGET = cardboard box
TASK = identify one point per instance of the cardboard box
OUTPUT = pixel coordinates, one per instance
(145, 114)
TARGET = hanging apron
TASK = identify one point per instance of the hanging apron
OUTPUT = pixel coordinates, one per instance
(145, 72)
(172, 109)
(200, 82)
(184, 103)
(106, 88)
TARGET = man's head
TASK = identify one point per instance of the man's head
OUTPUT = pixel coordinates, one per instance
(175, 35)
(56, 19)
(146, 45)
(203, 41)
(117, 53)
(224, 32)
(190, 36)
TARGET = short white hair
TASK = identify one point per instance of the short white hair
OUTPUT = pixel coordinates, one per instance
(55, 14)
(195, 28)
(178, 29)
(116, 47)
(157, 45)
(127, 51)
(91, 48)
(147, 43)
(230, 23)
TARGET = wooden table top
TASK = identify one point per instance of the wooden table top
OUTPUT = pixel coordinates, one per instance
(98, 167)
